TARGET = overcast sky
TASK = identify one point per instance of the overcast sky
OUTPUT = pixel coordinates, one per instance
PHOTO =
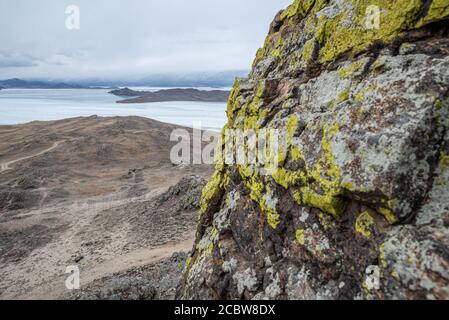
(131, 38)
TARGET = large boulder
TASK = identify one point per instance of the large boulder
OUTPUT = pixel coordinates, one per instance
(357, 204)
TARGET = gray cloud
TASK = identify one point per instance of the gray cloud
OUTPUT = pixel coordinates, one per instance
(16, 60)
(135, 38)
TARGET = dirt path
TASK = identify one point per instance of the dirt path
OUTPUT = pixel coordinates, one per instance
(42, 274)
(55, 289)
(109, 213)
(6, 165)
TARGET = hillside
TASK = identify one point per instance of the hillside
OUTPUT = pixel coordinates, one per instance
(356, 206)
(99, 193)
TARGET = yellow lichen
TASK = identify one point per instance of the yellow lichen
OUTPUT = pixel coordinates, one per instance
(395, 275)
(188, 261)
(388, 213)
(233, 104)
(212, 189)
(297, 7)
(444, 161)
(292, 126)
(382, 258)
(273, 218)
(319, 184)
(277, 48)
(300, 236)
(326, 221)
(258, 193)
(296, 153)
(348, 72)
(437, 10)
(396, 16)
(307, 50)
(325, 192)
(360, 96)
(259, 55)
(363, 224)
(349, 30)
(209, 249)
(343, 96)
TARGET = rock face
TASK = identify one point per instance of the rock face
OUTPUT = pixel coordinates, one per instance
(360, 192)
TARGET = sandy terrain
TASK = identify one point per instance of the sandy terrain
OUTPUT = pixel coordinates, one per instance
(98, 193)
(7, 165)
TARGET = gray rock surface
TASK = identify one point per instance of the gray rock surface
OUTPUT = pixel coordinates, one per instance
(357, 205)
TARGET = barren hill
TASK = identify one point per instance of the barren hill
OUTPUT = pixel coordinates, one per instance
(93, 192)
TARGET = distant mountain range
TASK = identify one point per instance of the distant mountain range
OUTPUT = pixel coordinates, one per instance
(171, 95)
(26, 84)
(213, 79)
(190, 80)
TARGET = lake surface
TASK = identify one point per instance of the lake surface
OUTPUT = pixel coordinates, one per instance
(25, 105)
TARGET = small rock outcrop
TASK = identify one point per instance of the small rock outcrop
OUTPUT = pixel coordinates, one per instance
(357, 205)
(126, 92)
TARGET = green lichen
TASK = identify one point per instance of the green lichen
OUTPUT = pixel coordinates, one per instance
(363, 224)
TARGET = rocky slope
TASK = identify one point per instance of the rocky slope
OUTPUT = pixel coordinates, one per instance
(98, 193)
(361, 185)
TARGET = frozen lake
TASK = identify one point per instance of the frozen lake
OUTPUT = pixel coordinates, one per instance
(25, 105)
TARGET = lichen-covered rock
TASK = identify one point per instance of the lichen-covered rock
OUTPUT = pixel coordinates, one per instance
(357, 206)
